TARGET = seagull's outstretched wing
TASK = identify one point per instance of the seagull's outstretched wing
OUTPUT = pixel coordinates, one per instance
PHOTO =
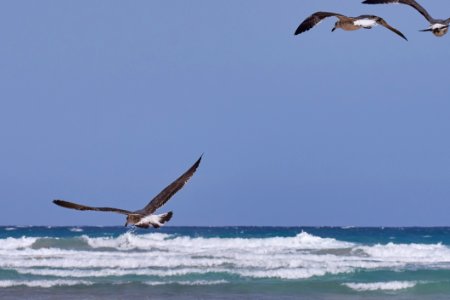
(411, 3)
(170, 190)
(76, 206)
(315, 19)
(382, 22)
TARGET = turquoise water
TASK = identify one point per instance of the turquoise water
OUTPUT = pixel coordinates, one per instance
(224, 263)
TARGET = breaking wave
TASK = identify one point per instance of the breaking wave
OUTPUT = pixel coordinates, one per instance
(42, 283)
(381, 286)
(129, 241)
(158, 257)
(195, 282)
(16, 243)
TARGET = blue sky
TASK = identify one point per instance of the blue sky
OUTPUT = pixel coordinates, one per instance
(106, 102)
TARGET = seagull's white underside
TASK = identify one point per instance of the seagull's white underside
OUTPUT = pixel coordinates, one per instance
(151, 219)
(365, 23)
(438, 26)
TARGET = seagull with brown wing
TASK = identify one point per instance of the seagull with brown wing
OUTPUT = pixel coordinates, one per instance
(438, 27)
(345, 23)
(144, 217)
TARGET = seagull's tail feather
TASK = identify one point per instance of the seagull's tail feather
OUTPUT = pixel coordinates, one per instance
(162, 219)
(165, 217)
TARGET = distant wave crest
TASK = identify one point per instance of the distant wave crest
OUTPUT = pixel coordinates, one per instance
(42, 283)
(383, 286)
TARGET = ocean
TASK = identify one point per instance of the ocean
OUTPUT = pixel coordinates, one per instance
(224, 263)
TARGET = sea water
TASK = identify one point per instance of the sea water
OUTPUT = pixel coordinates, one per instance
(224, 263)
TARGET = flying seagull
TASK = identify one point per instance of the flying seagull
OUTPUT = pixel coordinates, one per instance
(144, 218)
(437, 27)
(345, 23)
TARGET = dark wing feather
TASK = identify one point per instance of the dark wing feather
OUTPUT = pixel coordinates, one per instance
(170, 190)
(76, 206)
(313, 20)
(382, 22)
(411, 3)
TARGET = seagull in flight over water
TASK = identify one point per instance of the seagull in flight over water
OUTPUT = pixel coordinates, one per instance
(437, 26)
(345, 23)
(144, 218)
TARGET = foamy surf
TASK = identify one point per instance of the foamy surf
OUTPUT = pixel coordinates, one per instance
(381, 286)
(163, 255)
(129, 241)
(231, 259)
(190, 283)
(17, 243)
(42, 283)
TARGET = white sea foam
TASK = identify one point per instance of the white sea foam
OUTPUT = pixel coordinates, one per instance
(162, 255)
(195, 282)
(127, 241)
(42, 283)
(10, 228)
(409, 253)
(293, 273)
(76, 229)
(108, 272)
(16, 243)
(383, 286)
(130, 241)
